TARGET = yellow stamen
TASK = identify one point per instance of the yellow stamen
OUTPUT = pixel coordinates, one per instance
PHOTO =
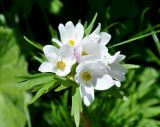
(72, 42)
(84, 53)
(61, 65)
(86, 76)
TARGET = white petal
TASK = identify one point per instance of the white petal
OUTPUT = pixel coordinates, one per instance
(77, 78)
(46, 67)
(120, 58)
(117, 57)
(117, 83)
(104, 54)
(105, 38)
(57, 42)
(79, 32)
(118, 71)
(104, 83)
(50, 52)
(66, 52)
(97, 30)
(84, 65)
(87, 93)
(113, 58)
(98, 69)
(118, 67)
(62, 32)
(90, 46)
(64, 72)
(70, 31)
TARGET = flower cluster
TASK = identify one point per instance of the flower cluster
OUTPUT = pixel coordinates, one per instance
(96, 69)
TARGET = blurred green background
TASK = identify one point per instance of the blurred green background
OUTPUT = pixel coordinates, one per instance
(123, 19)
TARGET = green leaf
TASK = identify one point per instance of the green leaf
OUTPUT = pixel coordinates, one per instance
(114, 91)
(151, 111)
(76, 105)
(47, 87)
(35, 44)
(12, 63)
(131, 66)
(134, 39)
(31, 81)
(65, 85)
(90, 27)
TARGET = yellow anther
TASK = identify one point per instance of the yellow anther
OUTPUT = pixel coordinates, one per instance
(71, 42)
(61, 65)
(84, 53)
(86, 76)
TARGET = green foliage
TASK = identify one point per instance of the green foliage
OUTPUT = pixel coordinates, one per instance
(138, 103)
(139, 109)
(12, 63)
(76, 105)
(37, 45)
(65, 85)
(90, 26)
(59, 112)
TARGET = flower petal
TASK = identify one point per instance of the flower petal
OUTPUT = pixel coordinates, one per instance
(87, 93)
(50, 52)
(64, 72)
(57, 42)
(97, 30)
(78, 52)
(117, 83)
(98, 68)
(66, 52)
(62, 32)
(79, 29)
(70, 31)
(90, 45)
(118, 71)
(46, 67)
(104, 83)
(105, 38)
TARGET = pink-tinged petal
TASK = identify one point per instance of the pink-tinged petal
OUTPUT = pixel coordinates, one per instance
(78, 52)
(46, 67)
(104, 83)
(51, 53)
(87, 94)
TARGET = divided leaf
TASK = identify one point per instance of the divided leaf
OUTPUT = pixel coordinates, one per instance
(76, 105)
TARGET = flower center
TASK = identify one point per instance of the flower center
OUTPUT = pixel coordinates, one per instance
(71, 42)
(84, 53)
(86, 76)
(61, 65)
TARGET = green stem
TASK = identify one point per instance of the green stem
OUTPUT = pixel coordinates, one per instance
(133, 39)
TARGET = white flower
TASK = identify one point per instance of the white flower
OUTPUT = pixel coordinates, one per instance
(59, 61)
(116, 71)
(91, 75)
(104, 36)
(70, 34)
(88, 48)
